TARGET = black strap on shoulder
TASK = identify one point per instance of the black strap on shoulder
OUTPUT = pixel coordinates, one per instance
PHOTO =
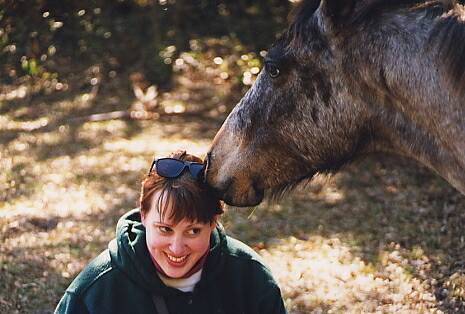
(160, 304)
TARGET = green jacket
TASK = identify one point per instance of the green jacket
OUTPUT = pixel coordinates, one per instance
(123, 279)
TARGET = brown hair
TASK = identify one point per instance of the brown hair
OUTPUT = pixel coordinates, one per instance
(189, 198)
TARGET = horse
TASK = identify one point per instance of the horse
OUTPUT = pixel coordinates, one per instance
(348, 78)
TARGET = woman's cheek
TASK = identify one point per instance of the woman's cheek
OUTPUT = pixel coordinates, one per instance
(201, 244)
(155, 240)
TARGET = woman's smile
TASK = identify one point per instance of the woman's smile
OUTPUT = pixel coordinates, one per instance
(177, 261)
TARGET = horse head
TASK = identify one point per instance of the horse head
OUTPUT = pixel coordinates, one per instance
(346, 79)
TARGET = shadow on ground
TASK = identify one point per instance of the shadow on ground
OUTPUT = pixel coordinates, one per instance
(378, 204)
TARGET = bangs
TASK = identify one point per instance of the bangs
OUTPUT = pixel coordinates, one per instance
(181, 202)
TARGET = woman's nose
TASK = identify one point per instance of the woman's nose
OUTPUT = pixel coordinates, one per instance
(177, 246)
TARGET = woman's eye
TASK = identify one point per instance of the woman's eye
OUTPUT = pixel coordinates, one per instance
(194, 231)
(164, 229)
(272, 69)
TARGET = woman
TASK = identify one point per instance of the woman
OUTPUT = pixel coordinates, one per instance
(171, 256)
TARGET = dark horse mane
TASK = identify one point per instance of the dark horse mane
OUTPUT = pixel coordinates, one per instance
(448, 33)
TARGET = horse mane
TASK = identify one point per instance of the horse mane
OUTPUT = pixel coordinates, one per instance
(448, 33)
(364, 11)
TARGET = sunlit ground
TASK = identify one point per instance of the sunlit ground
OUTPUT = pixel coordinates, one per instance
(346, 246)
(383, 236)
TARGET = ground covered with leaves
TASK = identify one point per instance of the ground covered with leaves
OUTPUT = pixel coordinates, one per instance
(384, 235)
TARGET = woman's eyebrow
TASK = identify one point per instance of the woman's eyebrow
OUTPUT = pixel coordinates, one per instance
(162, 224)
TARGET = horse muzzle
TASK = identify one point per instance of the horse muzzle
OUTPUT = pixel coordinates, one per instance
(235, 190)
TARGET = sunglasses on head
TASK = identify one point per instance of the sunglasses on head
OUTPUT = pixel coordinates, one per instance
(173, 168)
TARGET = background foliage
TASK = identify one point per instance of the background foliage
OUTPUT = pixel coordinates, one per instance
(44, 39)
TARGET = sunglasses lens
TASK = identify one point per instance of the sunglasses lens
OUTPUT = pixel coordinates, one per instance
(196, 170)
(169, 168)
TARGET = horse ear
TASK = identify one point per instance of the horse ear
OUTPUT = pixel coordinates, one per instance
(336, 12)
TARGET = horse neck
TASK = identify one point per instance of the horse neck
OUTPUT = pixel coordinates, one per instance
(396, 131)
(424, 121)
(417, 110)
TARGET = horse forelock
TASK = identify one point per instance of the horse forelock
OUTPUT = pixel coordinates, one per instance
(297, 32)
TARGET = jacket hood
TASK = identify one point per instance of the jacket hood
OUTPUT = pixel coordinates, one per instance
(130, 254)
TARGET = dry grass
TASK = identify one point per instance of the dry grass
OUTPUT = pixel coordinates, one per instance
(382, 236)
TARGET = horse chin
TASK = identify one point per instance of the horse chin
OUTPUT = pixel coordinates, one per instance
(278, 191)
(252, 197)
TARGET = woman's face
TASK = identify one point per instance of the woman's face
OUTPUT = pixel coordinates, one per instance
(175, 247)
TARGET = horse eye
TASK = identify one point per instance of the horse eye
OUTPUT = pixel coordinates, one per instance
(272, 70)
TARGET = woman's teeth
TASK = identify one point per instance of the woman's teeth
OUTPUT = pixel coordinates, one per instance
(177, 259)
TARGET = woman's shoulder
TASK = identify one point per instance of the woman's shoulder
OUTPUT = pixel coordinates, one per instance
(98, 268)
(240, 251)
(234, 247)
(244, 262)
